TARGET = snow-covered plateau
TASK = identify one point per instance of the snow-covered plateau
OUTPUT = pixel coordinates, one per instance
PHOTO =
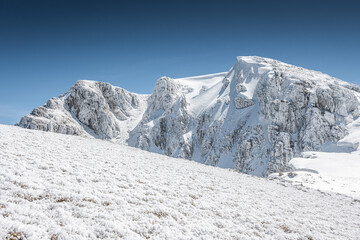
(56, 186)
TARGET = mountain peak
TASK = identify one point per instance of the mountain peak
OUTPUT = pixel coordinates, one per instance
(254, 59)
(259, 61)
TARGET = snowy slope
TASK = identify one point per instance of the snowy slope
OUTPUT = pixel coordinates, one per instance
(336, 168)
(55, 186)
(201, 91)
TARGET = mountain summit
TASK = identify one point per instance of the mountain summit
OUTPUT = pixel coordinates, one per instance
(254, 118)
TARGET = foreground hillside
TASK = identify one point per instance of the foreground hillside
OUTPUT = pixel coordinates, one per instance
(55, 186)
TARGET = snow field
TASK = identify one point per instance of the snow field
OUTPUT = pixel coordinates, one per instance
(55, 186)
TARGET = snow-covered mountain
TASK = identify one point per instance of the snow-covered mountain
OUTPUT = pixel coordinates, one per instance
(89, 109)
(255, 118)
(55, 186)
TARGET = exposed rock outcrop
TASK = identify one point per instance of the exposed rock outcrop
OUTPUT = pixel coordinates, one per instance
(89, 109)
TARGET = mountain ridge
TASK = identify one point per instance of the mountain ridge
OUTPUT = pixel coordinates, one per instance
(255, 118)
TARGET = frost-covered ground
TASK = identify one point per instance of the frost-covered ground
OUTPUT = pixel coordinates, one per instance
(55, 186)
(336, 168)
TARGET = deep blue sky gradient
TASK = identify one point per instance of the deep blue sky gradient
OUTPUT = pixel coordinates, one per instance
(46, 46)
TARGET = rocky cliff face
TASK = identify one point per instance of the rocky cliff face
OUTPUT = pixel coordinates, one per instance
(254, 118)
(89, 109)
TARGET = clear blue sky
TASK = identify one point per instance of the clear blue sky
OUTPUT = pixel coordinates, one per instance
(46, 46)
